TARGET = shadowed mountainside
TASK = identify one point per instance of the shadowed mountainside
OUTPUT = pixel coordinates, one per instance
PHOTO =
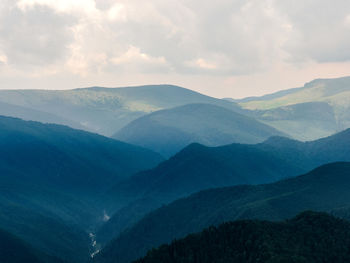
(198, 167)
(51, 180)
(168, 131)
(323, 189)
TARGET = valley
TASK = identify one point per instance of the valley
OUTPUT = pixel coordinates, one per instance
(174, 131)
(183, 163)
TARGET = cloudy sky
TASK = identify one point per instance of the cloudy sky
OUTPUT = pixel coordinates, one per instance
(224, 48)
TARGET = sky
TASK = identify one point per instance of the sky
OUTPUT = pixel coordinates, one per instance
(223, 48)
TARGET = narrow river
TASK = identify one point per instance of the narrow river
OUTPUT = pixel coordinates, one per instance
(95, 248)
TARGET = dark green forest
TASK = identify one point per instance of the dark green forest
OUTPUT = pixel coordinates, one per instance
(308, 238)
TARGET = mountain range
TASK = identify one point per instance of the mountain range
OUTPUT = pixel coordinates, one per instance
(198, 167)
(323, 189)
(178, 162)
(97, 109)
(162, 117)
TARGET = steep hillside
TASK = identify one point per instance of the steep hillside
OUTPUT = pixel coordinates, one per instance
(323, 189)
(168, 131)
(309, 237)
(65, 157)
(104, 110)
(51, 180)
(198, 167)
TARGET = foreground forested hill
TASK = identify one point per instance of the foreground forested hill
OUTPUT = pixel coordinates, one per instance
(309, 237)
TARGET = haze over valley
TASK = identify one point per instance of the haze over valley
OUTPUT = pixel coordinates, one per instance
(174, 131)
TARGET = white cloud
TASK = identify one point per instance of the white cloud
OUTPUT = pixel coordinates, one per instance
(347, 20)
(319, 32)
(226, 38)
(135, 54)
(38, 38)
(3, 58)
(66, 6)
(202, 63)
(117, 12)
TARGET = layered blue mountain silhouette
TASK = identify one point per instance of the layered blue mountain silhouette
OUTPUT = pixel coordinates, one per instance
(176, 162)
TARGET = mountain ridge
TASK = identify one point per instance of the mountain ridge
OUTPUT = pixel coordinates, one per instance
(168, 131)
(106, 110)
(198, 167)
(322, 189)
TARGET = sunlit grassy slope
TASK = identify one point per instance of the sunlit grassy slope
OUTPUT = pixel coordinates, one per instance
(104, 110)
(333, 91)
(320, 108)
